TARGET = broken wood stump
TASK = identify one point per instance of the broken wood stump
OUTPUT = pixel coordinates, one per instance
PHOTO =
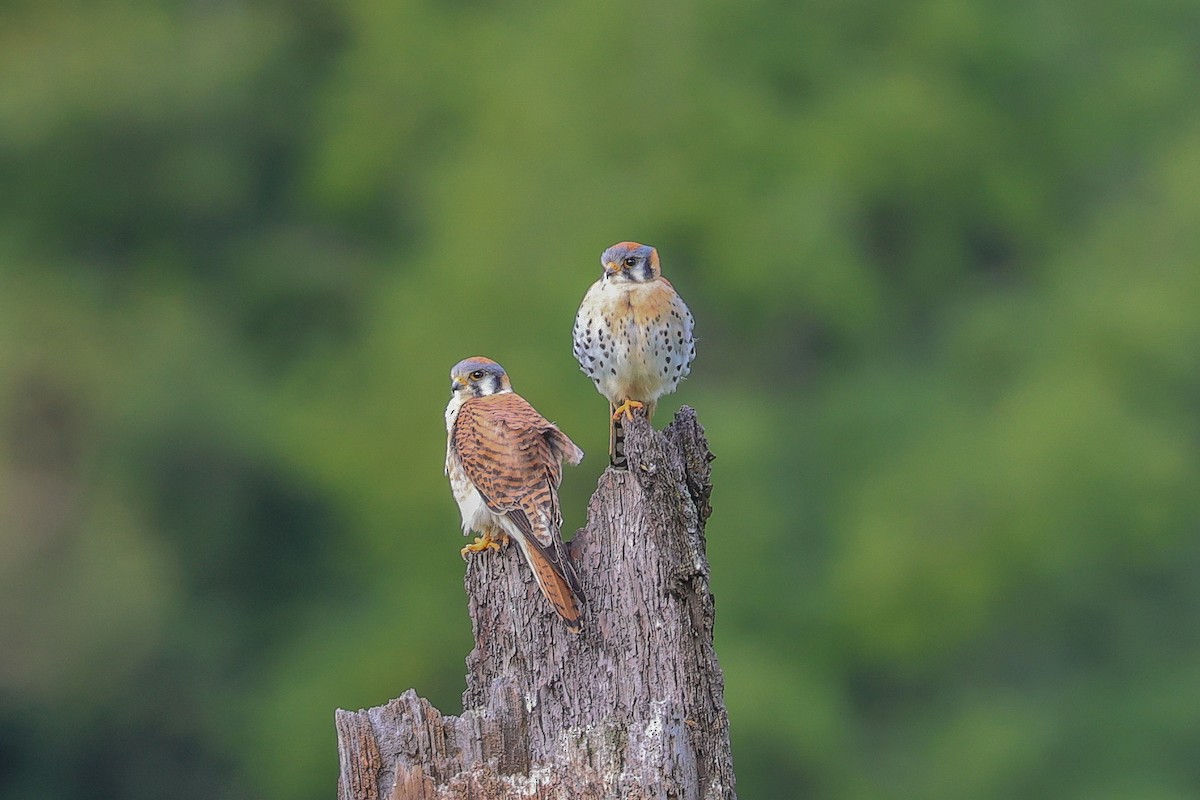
(631, 708)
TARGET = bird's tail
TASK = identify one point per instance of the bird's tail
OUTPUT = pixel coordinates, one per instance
(555, 577)
(616, 438)
(616, 435)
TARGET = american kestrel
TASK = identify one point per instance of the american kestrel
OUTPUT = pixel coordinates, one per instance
(504, 461)
(633, 336)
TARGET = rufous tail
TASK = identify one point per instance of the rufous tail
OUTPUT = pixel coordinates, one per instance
(616, 438)
(616, 433)
(556, 578)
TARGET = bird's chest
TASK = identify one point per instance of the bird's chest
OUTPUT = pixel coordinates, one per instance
(475, 513)
(625, 336)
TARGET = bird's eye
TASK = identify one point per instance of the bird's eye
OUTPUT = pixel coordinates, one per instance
(630, 261)
(477, 375)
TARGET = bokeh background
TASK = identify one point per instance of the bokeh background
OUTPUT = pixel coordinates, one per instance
(945, 264)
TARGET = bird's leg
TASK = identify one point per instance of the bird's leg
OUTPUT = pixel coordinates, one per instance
(626, 409)
(492, 539)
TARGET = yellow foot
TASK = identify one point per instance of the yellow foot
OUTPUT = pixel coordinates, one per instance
(485, 542)
(626, 408)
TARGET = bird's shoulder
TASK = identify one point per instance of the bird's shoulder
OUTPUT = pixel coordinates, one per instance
(507, 411)
(655, 299)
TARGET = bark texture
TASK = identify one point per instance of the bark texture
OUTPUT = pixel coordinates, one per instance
(631, 708)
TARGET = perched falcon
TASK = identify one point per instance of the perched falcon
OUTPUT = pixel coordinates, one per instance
(504, 461)
(633, 336)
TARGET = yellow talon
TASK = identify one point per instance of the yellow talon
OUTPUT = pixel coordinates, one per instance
(485, 542)
(626, 408)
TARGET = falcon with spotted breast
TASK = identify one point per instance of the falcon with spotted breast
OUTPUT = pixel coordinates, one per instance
(632, 337)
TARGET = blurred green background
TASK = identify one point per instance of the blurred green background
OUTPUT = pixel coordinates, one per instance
(945, 264)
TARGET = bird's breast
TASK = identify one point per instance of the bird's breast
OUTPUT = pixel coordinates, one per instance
(628, 339)
(475, 513)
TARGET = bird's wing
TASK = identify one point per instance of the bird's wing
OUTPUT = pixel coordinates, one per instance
(679, 328)
(513, 455)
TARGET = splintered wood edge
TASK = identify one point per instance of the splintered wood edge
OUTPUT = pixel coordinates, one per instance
(358, 777)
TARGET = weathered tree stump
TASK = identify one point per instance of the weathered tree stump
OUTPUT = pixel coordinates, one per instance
(631, 708)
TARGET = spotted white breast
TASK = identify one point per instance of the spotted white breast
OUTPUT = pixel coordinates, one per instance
(634, 340)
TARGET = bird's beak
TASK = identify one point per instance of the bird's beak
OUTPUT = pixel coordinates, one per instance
(612, 268)
(456, 383)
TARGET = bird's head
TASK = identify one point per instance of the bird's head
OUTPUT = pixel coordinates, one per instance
(631, 262)
(478, 376)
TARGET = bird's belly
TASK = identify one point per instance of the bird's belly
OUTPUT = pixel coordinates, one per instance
(629, 344)
(634, 371)
(645, 362)
(475, 513)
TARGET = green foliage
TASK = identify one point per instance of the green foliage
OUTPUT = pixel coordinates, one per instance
(943, 263)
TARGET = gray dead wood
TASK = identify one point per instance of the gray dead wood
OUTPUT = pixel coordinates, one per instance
(631, 708)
